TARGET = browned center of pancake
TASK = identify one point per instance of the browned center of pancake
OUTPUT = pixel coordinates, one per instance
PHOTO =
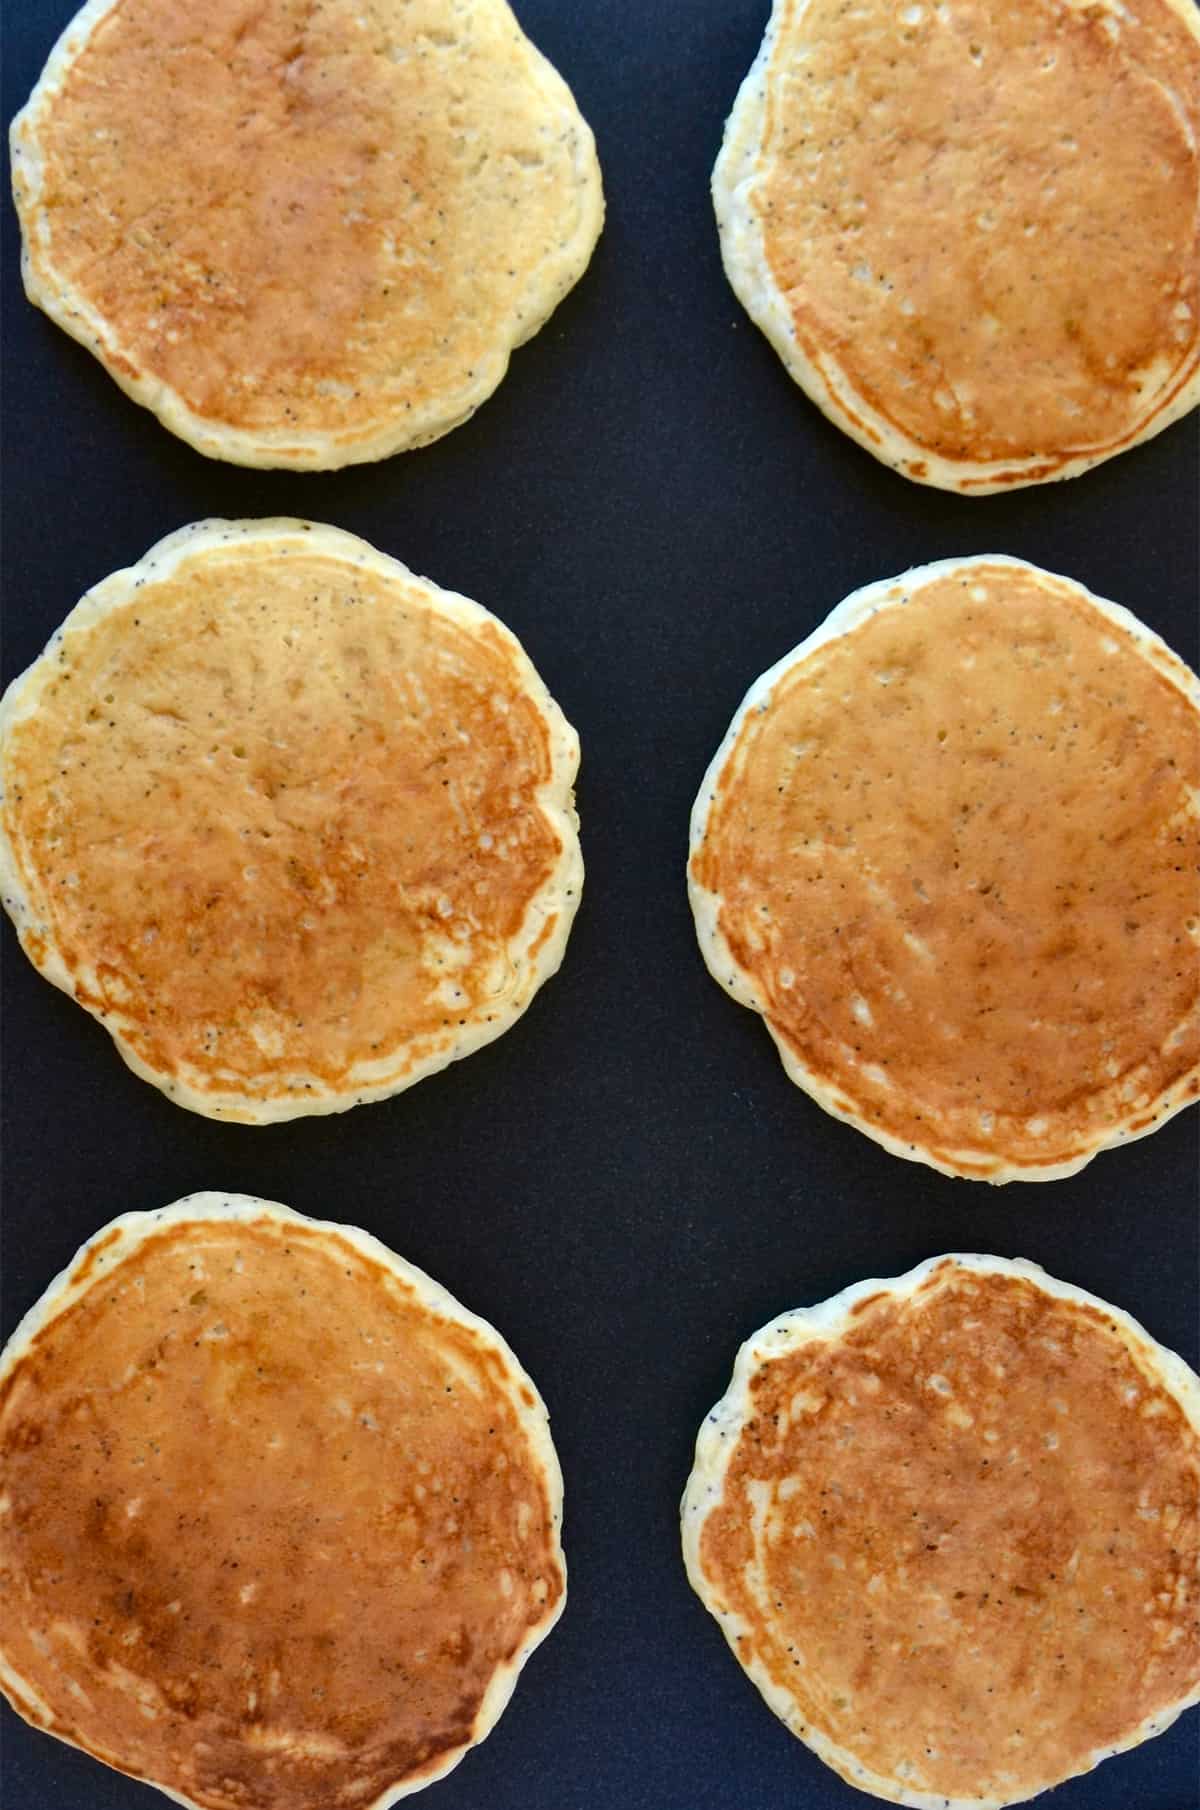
(283, 819)
(298, 214)
(269, 1524)
(964, 1537)
(958, 853)
(986, 213)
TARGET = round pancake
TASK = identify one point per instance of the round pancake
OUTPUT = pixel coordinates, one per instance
(949, 850)
(972, 230)
(950, 1525)
(279, 1519)
(295, 825)
(305, 235)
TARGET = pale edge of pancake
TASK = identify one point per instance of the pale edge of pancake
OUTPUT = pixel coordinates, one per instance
(548, 283)
(99, 1257)
(829, 1320)
(743, 252)
(890, 593)
(559, 896)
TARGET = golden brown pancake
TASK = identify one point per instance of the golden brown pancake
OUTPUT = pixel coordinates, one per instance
(949, 850)
(971, 228)
(279, 1519)
(297, 826)
(950, 1525)
(303, 235)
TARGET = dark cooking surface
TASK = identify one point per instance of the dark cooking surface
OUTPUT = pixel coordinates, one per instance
(626, 1184)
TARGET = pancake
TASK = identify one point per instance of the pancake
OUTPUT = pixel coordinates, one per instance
(950, 1526)
(303, 235)
(297, 826)
(971, 229)
(279, 1519)
(948, 848)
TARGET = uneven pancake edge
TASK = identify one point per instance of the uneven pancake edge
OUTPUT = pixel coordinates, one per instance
(70, 309)
(114, 1243)
(854, 610)
(743, 253)
(537, 952)
(716, 1446)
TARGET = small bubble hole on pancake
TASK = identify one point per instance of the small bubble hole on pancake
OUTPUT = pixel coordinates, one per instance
(297, 826)
(971, 228)
(303, 235)
(950, 1526)
(279, 1519)
(949, 849)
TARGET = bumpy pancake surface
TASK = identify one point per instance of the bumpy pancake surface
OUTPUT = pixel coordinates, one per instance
(949, 848)
(279, 1519)
(304, 235)
(971, 228)
(296, 825)
(950, 1525)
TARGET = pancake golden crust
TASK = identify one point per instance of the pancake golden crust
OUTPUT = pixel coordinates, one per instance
(311, 233)
(971, 229)
(279, 1519)
(950, 1525)
(949, 850)
(296, 825)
